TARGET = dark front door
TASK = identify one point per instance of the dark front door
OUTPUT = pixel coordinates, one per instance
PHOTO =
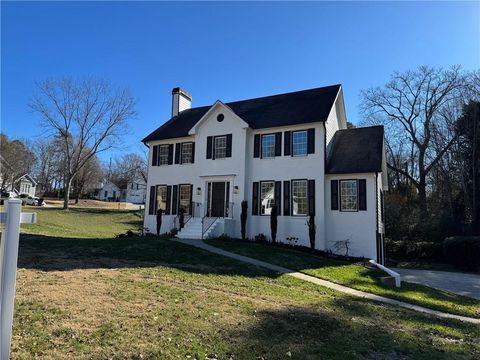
(218, 199)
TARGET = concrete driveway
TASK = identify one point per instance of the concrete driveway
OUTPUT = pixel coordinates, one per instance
(458, 283)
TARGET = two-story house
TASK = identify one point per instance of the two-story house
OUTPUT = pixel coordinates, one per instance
(290, 150)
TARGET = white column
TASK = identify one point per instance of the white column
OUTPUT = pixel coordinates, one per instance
(8, 268)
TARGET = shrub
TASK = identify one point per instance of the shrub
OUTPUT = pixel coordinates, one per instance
(243, 218)
(463, 252)
(273, 223)
(414, 249)
(260, 238)
(311, 230)
(23, 196)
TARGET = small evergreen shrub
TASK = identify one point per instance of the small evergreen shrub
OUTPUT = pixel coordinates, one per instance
(260, 238)
(274, 223)
(243, 219)
(463, 252)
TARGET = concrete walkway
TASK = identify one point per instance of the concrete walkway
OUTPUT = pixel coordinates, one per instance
(454, 282)
(344, 289)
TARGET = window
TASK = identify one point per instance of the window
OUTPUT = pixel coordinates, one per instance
(299, 197)
(186, 153)
(348, 195)
(163, 155)
(299, 145)
(162, 197)
(268, 146)
(106, 194)
(267, 197)
(185, 197)
(220, 147)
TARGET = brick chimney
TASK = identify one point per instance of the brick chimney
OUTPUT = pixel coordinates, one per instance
(181, 100)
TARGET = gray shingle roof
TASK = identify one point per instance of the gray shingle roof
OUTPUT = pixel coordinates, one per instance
(357, 150)
(293, 108)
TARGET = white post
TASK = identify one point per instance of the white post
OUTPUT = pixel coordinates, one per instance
(8, 268)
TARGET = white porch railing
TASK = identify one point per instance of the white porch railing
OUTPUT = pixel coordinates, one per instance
(11, 219)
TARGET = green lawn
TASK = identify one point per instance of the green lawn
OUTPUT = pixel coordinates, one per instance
(87, 295)
(355, 276)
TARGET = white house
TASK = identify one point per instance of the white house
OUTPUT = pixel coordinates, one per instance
(25, 184)
(290, 150)
(133, 192)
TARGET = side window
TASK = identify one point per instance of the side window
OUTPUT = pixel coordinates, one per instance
(348, 195)
(162, 197)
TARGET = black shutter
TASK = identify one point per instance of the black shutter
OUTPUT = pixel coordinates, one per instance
(209, 147)
(311, 141)
(286, 198)
(334, 194)
(228, 152)
(193, 153)
(190, 205)
(256, 146)
(170, 154)
(362, 194)
(278, 196)
(169, 199)
(178, 147)
(174, 200)
(287, 136)
(278, 144)
(255, 199)
(151, 203)
(155, 155)
(311, 197)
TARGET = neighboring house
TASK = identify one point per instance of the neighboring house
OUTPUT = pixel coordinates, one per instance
(109, 192)
(25, 184)
(292, 150)
(133, 192)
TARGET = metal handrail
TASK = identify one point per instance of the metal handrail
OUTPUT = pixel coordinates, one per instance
(212, 221)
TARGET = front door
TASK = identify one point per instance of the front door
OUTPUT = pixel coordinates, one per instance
(218, 199)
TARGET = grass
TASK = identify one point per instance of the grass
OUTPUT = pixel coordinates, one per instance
(355, 276)
(98, 297)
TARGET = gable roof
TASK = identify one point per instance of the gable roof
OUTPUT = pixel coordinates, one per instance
(28, 177)
(293, 108)
(357, 150)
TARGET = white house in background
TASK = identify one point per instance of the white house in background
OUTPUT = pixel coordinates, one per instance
(290, 150)
(133, 192)
(25, 184)
(109, 192)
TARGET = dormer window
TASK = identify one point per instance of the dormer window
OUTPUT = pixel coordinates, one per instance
(220, 147)
(268, 146)
(299, 143)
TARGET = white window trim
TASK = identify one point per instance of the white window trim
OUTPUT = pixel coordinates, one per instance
(261, 198)
(160, 147)
(274, 145)
(341, 195)
(215, 148)
(306, 143)
(292, 194)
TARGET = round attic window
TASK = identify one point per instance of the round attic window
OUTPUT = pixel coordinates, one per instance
(220, 117)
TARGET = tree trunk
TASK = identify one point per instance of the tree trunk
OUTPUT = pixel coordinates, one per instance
(66, 195)
(422, 198)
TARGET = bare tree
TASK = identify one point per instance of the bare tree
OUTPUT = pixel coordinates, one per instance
(128, 167)
(418, 109)
(88, 115)
(87, 178)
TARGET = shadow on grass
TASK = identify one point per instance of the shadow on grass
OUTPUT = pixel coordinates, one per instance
(48, 253)
(349, 332)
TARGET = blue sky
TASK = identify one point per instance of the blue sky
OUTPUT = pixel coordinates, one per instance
(226, 51)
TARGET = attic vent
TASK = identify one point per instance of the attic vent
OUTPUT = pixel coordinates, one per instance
(220, 117)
